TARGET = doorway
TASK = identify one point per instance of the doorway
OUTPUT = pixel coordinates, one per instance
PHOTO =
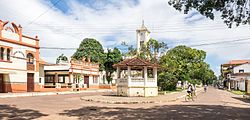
(86, 80)
(1, 83)
(30, 82)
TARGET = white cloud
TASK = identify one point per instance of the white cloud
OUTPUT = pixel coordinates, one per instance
(120, 20)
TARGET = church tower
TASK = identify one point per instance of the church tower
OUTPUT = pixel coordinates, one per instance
(142, 36)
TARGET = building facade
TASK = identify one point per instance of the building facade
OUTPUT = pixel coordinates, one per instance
(239, 77)
(236, 74)
(72, 75)
(19, 59)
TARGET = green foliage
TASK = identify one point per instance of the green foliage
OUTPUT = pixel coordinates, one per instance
(153, 47)
(62, 57)
(184, 64)
(112, 57)
(148, 51)
(232, 11)
(167, 81)
(91, 48)
(238, 92)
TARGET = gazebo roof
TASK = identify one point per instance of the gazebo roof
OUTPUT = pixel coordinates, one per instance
(136, 62)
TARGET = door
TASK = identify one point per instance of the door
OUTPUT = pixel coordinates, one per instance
(1, 84)
(30, 82)
(86, 80)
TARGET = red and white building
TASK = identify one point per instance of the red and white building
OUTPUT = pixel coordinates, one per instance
(19, 59)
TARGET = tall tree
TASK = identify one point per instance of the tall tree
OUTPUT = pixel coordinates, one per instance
(183, 64)
(62, 57)
(149, 51)
(91, 48)
(112, 57)
(154, 47)
(232, 11)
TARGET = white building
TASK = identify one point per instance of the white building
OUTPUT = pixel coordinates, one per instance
(19, 59)
(74, 75)
(239, 75)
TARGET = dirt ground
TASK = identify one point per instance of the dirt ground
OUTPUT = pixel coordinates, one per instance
(214, 104)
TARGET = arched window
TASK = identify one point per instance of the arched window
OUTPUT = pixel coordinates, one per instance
(8, 54)
(30, 58)
(1, 53)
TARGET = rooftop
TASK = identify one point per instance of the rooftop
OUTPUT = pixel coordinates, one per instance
(135, 62)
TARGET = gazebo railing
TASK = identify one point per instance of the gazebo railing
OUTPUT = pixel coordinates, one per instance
(151, 80)
(137, 79)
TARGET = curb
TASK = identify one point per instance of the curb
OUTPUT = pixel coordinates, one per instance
(135, 102)
(9, 95)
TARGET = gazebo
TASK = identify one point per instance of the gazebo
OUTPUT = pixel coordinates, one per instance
(136, 77)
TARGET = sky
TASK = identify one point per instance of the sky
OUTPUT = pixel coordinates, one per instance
(65, 23)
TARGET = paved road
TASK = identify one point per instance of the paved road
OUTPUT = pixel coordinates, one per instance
(214, 104)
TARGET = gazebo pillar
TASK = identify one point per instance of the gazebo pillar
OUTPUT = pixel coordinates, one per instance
(129, 75)
(118, 72)
(145, 76)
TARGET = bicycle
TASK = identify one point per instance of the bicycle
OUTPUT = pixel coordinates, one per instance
(194, 95)
(189, 97)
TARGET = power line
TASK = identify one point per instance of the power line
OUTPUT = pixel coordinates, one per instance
(220, 42)
(53, 4)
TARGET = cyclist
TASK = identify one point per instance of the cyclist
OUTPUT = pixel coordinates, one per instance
(190, 93)
(190, 89)
(205, 88)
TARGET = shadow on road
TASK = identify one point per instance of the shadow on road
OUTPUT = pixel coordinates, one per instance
(12, 113)
(242, 99)
(161, 112)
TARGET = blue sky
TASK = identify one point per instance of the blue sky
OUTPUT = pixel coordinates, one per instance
(114, 21)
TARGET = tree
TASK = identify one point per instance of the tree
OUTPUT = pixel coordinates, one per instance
(62, 57)
(183, 64)
(112, 57)
(148, 51)
(232, 11)
(154, 47)
(90, 48)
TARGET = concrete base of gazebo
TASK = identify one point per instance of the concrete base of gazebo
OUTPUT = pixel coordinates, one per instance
(137, 91)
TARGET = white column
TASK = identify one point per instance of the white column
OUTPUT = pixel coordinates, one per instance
(155, 75)
(229, 85)
(118, 72)
(145, 76)
(71, 78)
(129, 75)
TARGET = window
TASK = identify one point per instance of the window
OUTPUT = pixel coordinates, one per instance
(241, 71)
(8, 54)
(62, 78)
(30, 58)
(49, 79)
(1, 53)
(95, 79)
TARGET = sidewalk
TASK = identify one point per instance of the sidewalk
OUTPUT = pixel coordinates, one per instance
(112, 99)
(25, 94)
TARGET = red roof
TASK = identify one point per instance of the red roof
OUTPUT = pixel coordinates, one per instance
(239, 61)
(135, 62)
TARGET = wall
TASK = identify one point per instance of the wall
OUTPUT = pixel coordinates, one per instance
(245, 67)
(15, 77)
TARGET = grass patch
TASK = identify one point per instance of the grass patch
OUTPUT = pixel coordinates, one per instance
(238, 92)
